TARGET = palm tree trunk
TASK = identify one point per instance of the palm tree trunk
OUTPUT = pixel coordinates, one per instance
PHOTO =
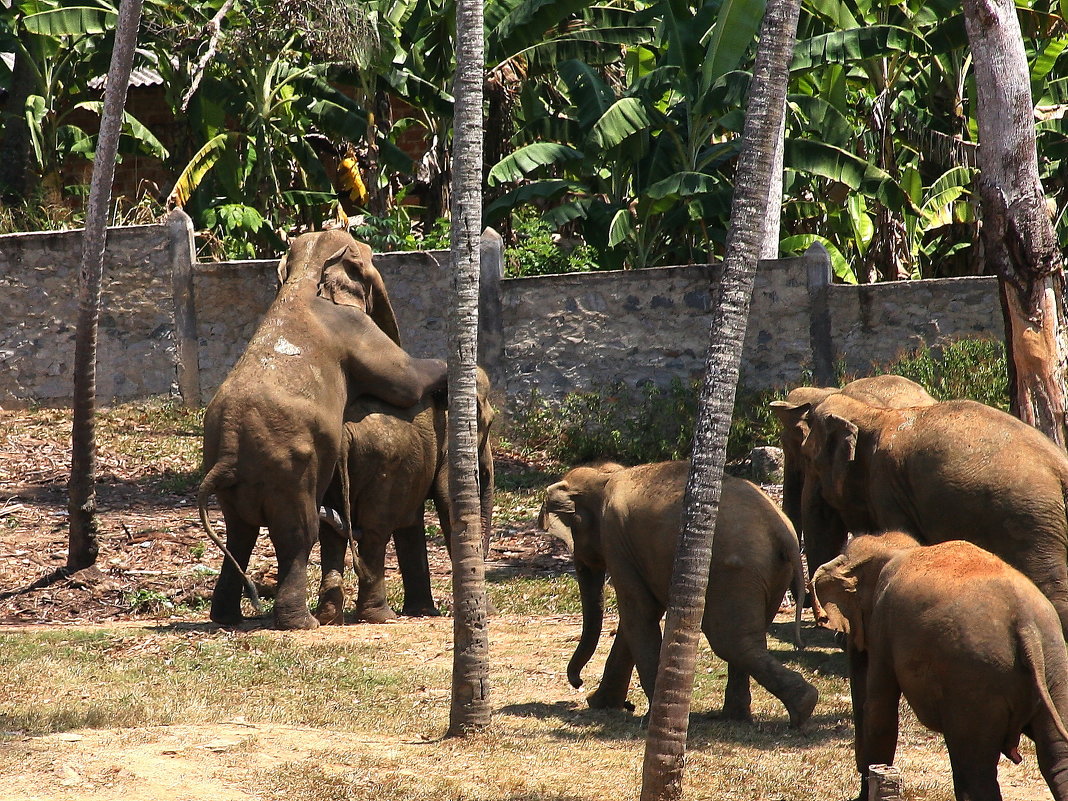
(665, 748)
(470, 672)
(1018, 236)
(83, 544)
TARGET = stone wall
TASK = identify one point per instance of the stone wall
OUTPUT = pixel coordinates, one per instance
(171, 326)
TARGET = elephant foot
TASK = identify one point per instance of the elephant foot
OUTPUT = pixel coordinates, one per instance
(376, 614)
(729, 712)
(802, 711)
(599, 700)
(295, 622)
(331, 608)
(421, 611)
(227, 619)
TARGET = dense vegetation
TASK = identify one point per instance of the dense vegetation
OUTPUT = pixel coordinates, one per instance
(270, 117)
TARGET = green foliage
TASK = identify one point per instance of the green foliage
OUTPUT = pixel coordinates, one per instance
(536, 251)
(234, 225)
(967, 368)
(633, 426)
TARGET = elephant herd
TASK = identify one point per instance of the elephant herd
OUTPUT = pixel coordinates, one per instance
(936, 534)
(937, 538)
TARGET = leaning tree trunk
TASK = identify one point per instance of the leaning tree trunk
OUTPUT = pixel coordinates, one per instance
(84, 546)
(665, 748)
(470, 667)
(1018, 235)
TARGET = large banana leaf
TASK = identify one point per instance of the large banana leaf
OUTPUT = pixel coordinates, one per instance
(527, 159)
(857, 44)
(544, 190)
(71, 21)
(590, 95)
(818, 158)
(526, 24)
(734, 32)
(625, 118)
(800, 243)
(132, 127)
(199, 166)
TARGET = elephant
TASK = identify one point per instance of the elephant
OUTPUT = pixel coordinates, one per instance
(957, 468)
(823, 533)
(973, 645)
(392, 461)
(626, 521)
(272, 432)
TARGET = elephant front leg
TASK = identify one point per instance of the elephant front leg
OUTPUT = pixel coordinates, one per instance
(371, 605)
(611, 693)
(880, 720)
(330, 609)
(737, 698)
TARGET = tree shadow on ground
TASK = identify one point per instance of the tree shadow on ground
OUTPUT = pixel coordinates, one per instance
(705, 728)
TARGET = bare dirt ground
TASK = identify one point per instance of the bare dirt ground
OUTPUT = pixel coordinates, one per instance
(152, 556)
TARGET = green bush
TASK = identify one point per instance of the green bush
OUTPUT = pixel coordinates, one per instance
(651, 424)
(536, 253)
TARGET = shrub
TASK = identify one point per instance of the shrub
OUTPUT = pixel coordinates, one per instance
(651, 423)
(536, 252)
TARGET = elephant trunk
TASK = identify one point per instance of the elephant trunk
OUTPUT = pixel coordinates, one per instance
(591, 590)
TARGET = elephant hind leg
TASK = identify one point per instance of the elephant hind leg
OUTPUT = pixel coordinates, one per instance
(974, 760)
(240, 540)
(330, 610)
(293, 536)
(737, 698)
(797, 695)
(371, 603)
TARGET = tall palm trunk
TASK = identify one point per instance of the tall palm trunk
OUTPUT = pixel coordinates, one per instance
(470, 667)
(1018, 235)
(83, 545)
(665, 747)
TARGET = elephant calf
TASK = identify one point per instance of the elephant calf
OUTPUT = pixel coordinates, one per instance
(626, 521)
(972, 643)
(392, 461)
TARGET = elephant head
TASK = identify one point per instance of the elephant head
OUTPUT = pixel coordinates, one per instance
(346, 277)
(843, 590)
(572, 513)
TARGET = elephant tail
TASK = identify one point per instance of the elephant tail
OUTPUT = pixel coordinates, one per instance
(1031, 648)
(208, 487)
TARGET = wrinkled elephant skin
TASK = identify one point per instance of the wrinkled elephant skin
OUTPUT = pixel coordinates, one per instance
(954, 470)
(819, 525)
(272, 433)
(392, 461)
(626, 521)
(970, 642)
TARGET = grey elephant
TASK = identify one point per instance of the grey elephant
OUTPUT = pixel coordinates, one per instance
(272, 433)
(626, 521)
(392, 461)
(823, 533)
(972, 644)
(955, 469)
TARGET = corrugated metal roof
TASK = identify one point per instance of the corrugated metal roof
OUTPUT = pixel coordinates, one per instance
(141, 76)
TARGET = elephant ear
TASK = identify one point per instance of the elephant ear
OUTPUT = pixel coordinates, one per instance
(843, 438)
(836, 600)
(379, 307)
(557, 513)
(341, 283)
(793, 417)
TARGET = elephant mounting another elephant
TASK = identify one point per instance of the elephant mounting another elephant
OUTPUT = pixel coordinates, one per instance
(626, 521)
(273, 431)
(972, 644)
(956, 469)
(392, 461)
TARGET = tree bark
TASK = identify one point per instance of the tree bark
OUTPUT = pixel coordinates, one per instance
(83, 546)
(1018, 235)
(470, 708)
(665, 750)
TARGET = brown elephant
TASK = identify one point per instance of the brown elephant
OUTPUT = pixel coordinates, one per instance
(822, 532)
(626, 521)
(392, 461)
(972, 644)
(941, 472)
(272, 433)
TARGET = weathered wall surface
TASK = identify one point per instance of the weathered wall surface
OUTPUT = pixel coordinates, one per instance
(39, 312)
(555, 334)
